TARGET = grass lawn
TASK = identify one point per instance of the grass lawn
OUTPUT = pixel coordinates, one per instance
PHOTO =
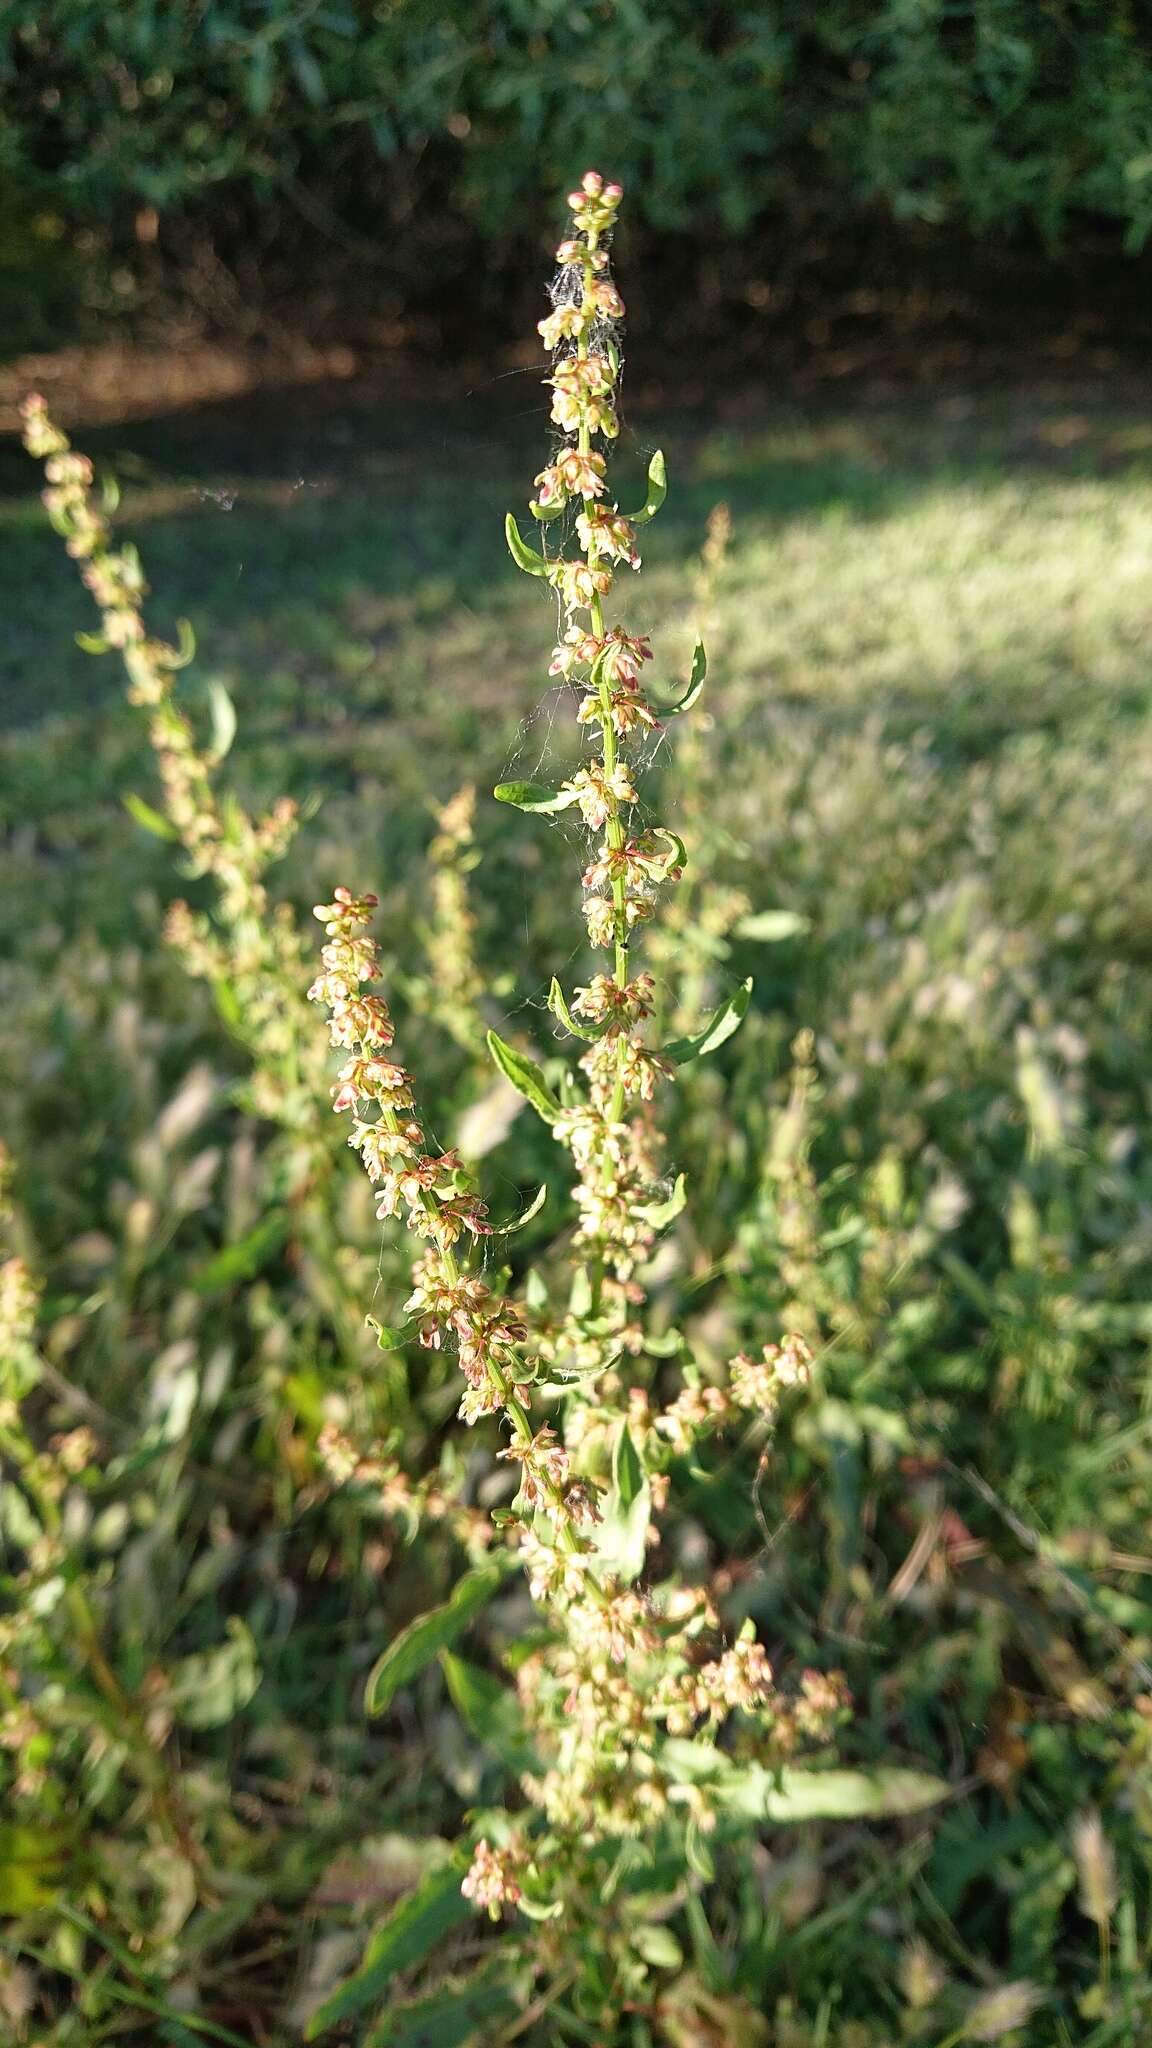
(928, 734)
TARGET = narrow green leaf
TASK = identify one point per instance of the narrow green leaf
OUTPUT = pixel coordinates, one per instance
(526, 558)
(753, 1792)
(410, 1932)
(533, 796)
(525, 1076)
(110, 495)
(544, 512)
(696, 681)
(490, 1711)
(622, 1533)
(852, 1795)
(477, 1696)
(185, 650)
(539, 1909)
(151, 820)
(580, 1297)
(771, 926)
(727, 1019)
(229, 1006)
(698, 1851)
(448, 2018)
(223, 719)
(92, 643)
(526, 1215)
(627, 1471)
(657, 490)
(558, 1004)
(415, 1647)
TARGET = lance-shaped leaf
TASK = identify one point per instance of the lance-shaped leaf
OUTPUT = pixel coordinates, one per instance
(558, 1004)
(696, 679)
(490, 1711)
(151, 820)
(525, 1076)
(185, 648)
(529, 559)
(452, 2016)
(92, 643)
(622, 1532)
(544, 512)
(753, 1792)
(657, 490)
(416, 1646)
(534, 796)
(223, 719)
(727, 1019)
(410, 1932)
(851, 1795)
(770, 926)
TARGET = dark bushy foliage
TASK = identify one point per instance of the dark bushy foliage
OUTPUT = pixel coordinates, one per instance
(994, 114)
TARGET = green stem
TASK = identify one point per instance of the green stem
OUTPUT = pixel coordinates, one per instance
(513, 1407)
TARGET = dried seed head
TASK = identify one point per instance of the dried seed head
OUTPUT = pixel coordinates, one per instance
(1098, 1893)
(997, 2013)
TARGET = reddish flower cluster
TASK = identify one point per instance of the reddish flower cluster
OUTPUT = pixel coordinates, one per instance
(251, 947)
(432, 1192)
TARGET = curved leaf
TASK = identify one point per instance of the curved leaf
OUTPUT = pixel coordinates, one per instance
(151, 820)
(525, 1076)
(415, 1647)
(526, 558)
(558, 1004)
(223, 719)
(411, 1930)
(185, 649)
(677, 855)
(526, 1215)
(387, 1338)
(534, 796)
(657, 490)
(696, 677)
(658, 1214)
(727, 1019)
(450, 2017)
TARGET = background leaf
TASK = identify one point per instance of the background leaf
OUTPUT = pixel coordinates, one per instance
(417, 1645)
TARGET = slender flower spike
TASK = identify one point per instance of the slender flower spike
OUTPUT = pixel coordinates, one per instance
(611, 1138)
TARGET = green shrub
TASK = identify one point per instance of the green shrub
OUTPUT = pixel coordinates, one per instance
(998, 115)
